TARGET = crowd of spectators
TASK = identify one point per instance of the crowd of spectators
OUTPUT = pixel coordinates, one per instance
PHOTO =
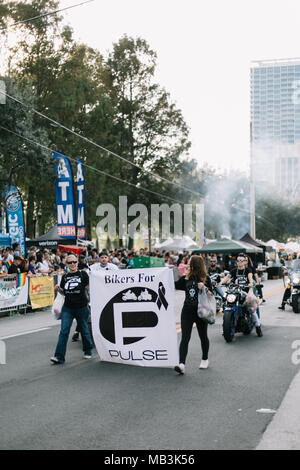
(46, 262)
(173, 259)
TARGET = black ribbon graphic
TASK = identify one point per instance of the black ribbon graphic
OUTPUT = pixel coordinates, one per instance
(161, 296)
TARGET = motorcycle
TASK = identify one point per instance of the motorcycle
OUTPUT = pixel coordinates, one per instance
(293, 283)
(215, 280)
(237, 313)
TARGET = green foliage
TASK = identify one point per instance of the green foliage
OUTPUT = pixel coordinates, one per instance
(23, 163)
(115, 103)
(277, 219)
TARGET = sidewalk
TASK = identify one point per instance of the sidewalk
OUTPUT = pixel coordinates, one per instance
(283, 433)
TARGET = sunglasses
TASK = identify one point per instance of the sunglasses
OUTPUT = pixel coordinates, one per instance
(240, 260)
(72, 262)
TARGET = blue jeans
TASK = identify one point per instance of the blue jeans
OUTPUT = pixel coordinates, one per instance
(67, 317)
(219, 290)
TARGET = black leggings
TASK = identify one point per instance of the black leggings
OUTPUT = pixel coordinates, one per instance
(188, 318)
(286, 295)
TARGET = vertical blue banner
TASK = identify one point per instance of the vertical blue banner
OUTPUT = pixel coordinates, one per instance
(15, 218)
(65, 209)
(81, 230)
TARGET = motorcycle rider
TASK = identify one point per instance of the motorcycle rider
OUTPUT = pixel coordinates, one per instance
(258, 286)
(215, 269)
(257, 292)
(285, 298)
(243, 277)
(294, 267)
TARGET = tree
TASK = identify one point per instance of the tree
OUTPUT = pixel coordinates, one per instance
(115, 103)
(65, 79)
(275, 219)
(149, 130)
(22, 164)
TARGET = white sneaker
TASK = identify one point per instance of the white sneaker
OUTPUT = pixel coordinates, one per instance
(87, 356)
(179, 369)
(54, 360)
(204, 364)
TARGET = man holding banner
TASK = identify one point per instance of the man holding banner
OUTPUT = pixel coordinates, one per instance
(73, 286)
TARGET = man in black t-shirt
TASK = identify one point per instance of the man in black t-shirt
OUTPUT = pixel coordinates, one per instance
(241, 275)
(73, 286)
(82, 266)
(214, 268)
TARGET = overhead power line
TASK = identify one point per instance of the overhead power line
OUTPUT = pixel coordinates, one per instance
(46, 14)
(93, 168)
(143, 170)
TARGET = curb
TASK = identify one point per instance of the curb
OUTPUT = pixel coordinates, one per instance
(283, 433)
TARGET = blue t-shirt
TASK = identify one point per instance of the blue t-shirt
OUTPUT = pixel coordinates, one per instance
(31, 268)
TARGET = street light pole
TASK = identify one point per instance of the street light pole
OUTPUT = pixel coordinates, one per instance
(252, 190)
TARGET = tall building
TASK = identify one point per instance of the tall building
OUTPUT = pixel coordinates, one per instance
(275, 124)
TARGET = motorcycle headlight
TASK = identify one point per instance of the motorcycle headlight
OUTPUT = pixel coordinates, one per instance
(296, 280)
(231, 298)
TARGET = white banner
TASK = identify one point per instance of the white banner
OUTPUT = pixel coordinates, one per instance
(10, 295)
(133, 316)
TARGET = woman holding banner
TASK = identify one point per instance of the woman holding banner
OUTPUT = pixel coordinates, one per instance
(196, 279)
(73, 286)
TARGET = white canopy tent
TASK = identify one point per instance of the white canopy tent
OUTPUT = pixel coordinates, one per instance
(185, 243)
(162, 245)
(276, 245)
(292, 247)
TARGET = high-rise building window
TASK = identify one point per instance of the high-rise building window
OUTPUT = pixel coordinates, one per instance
(275, 114)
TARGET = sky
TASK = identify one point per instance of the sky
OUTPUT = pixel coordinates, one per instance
(204, 54)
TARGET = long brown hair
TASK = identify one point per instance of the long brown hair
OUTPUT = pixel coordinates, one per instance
(196, 269)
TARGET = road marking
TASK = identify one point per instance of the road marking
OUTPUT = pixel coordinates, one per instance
(266, 411)
(274, 292)
(25, 333)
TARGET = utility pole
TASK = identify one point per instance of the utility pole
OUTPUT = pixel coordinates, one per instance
(252, 189)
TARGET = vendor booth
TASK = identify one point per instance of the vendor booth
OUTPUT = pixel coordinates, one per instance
(77, 250)
(5, 240)
(227, 246)
(258, 243)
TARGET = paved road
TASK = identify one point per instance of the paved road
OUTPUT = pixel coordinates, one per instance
(97, 405)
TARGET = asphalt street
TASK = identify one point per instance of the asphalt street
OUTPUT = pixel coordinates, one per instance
(98, 405)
